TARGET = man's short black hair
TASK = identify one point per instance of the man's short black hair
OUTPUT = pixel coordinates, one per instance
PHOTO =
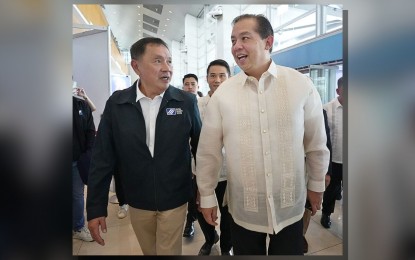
(340, 82)
(190, 75)
(139, 47)
(263, 27)
(219, 62)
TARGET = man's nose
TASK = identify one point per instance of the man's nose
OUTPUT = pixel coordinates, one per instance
(166, 66)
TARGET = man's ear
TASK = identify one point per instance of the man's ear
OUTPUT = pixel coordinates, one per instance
(269, 42)
(134, 65)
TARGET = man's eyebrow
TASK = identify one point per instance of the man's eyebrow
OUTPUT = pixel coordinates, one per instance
(242, 34)
(157, 56)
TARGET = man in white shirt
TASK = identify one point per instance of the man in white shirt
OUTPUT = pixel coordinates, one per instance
(268, 118)
(334, 111)
(217, 72)
(191, 84)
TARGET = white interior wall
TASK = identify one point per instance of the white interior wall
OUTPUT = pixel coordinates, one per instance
(177, 64)
(202, 55)
(229, 13)
(191, 44)
(91, 67)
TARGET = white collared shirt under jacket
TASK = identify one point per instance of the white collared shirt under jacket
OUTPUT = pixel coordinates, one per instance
(150, 108)
(267, 129)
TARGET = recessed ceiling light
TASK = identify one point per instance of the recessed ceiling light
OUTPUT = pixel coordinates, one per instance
(167, 19)
(138, 6)
(165, 25)
(139, 20)
(170, 12)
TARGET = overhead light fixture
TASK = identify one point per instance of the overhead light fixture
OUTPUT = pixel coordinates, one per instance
(215, 12)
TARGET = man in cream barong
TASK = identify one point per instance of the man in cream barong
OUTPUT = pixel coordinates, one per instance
(268, 118)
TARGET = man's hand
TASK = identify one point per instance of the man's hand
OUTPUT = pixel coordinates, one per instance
(327, 179)
(198, 201)
(94, 225)
(210, 215)
(315, 199)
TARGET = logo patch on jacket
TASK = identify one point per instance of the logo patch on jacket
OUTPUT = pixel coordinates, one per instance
(174, 111)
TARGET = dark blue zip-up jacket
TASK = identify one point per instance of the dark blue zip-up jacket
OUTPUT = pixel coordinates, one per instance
(162, 182)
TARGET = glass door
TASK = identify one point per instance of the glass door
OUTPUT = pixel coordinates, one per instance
(324, 78)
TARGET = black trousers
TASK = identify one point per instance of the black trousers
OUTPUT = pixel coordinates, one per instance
(334, 188)
(191, 206)
(225, 226)
(119, 191)
(288, 241)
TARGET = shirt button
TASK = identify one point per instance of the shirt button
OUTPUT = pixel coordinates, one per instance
(260, 92)
(266, 153)
(262, 111)
(264, 131)
(268, 174)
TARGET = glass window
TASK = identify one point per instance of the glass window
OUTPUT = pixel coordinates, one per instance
(254, 9)
(283, 14)
(334, 18)
(299, 31)
(292, 24)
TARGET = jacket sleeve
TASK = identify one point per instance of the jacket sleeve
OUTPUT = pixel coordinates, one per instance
(90, 129)
(102, 167)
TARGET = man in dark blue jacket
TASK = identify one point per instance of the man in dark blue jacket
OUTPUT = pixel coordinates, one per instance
(83, 140)
(145, 130)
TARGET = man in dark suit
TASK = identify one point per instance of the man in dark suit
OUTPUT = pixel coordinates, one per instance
(145, 130)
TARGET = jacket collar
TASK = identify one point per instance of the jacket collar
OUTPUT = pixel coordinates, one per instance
(129, 95)
(126, 96)
(173, 93)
